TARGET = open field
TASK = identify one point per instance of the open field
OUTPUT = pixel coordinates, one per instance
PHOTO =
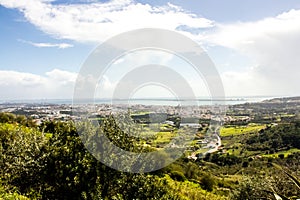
(238, 130)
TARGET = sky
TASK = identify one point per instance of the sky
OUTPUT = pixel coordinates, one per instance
(254, 44)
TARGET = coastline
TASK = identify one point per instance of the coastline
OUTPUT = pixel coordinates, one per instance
(148, 101)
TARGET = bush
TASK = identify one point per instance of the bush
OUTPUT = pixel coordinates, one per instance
(21, 151)
(245, 164)
(207, 182)
(178, 176)
(281, 156)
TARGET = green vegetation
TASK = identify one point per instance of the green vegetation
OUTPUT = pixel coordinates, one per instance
(238, 130)
(274, 139)
(284, 153)
(258, 159)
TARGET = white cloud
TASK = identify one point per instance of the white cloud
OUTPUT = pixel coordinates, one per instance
(60, 45)
(20, 85)
(46, 44)
(55, 84)
(62, 76)
(97, 21)
(244, 36)
(273, 44)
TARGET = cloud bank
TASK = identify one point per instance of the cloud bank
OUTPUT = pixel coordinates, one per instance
(53, 85)
(273, 44)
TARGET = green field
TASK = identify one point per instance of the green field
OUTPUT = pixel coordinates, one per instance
(238, 130)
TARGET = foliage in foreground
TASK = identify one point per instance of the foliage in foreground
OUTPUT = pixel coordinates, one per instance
(50, 162)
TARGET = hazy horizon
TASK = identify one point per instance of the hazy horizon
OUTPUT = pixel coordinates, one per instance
(149, 101)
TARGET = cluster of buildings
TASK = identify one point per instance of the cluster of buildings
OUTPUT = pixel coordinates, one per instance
(44, 112)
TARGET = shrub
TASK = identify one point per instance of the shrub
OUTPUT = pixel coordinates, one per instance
(178, 176)
(207, 182)
(281, 156)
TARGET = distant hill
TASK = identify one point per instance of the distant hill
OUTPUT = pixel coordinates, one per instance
(283, 100)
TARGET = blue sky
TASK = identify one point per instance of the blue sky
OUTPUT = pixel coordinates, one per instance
(253, 43)
(18, 55)
(233, 10)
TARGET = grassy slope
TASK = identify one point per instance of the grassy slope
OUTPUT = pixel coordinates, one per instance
(238, 130)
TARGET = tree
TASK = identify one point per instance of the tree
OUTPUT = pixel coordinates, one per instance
(21, 153)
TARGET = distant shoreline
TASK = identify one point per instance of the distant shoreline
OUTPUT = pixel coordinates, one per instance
(148, 101)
